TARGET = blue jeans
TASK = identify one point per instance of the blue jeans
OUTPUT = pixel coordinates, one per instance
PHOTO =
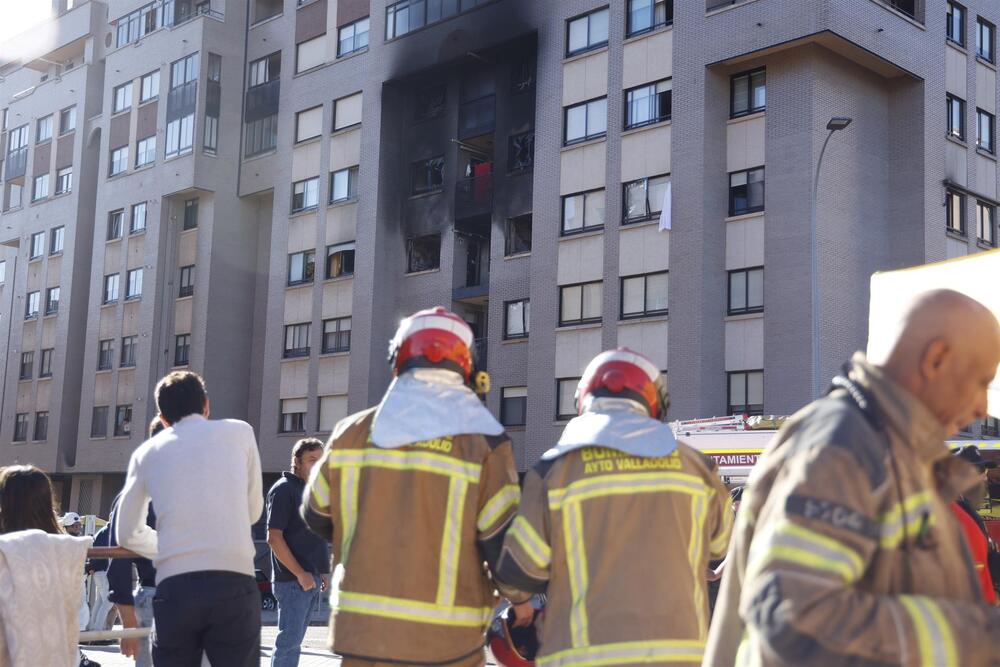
(295, 608)
(144, 615)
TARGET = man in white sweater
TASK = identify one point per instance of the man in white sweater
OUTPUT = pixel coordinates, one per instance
(203, 477)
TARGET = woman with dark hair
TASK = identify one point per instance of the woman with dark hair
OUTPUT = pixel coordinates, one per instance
(27, 501)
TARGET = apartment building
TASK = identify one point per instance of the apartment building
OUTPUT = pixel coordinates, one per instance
(274, 184)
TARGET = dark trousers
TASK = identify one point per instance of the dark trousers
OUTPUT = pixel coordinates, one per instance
(215, 612)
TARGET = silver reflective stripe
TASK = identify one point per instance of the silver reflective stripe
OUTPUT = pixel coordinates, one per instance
(791, 543)
(910, 513)
(576, 558)
(349, 478)
(497, 506)
(412, 610)
(451, 543)
(626, 653)
(395, 459)
(621, 484)
(695, 552)
(934, 636)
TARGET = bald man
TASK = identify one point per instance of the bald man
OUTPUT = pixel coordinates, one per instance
(844, 552)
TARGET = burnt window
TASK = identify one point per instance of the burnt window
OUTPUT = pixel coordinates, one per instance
(427, 175)
(521, 151)
(429, 102)
(423, 253)
(517, 235)
(522, 77)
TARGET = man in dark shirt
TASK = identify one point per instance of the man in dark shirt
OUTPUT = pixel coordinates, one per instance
(299, 558)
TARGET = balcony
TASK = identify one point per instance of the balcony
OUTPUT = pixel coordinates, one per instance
(474, 195)
(181, 100)
(477, 117)
(472, 272)
(17, 163)
(262, 100)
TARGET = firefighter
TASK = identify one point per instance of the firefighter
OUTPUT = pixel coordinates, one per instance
(415, 495)
(616, 525)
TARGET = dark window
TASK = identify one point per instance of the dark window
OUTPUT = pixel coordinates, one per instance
(352, 37)
(301, 267)
(956, 117)
(344, 185)
(429, 102)
(37, 245)
(955, 210)
(67, 120)
(64, 180)
(587, 32)
(115, 221)
(645, 15)
(337, 335)
(340, 260)
(644, 295)
(129, 344)
(57, 240)
(293, 416)
(99, 422)
(521, 151)
(566, 398)
(264, 70)
(105, 354)
(986, 223)
(746, 191)
(45, 365)
(579, 304)
(908, 7)
(748, 93)
(955, 26)
(305, 194)
(522, 77)
(427, 175)
(990, 427)
(190, 213)
(582, 212)
(123, 420)
(186, 281)
(52, 301)
(409, 15)
(27, 366)
(648, 104)
(517, 319)
(745, 393)
(423, 253)
(585, 121)
(984, 131)
(262, 135)
(41, 426)
(32, 305)
(985, 32)
(513, 406)
(182, 350)
(746, 291)
(517, 235)
(296, 340)
(21, 427)
(644, 199)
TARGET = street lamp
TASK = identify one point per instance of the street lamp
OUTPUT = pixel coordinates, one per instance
(836, 123)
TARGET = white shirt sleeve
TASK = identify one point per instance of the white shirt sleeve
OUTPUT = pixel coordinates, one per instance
(131, 530)
(255, 491)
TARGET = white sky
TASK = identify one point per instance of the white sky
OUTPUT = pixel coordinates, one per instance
(16, 16)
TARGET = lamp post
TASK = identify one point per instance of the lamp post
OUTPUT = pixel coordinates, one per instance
(836, 123)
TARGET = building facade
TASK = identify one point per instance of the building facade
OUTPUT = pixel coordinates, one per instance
(262, 190)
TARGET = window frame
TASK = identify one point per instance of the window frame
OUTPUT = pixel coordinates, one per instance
(190, 205)
(655, 119)
(950, 197)
(35, 194)
(991, 240)
(653, 25)
(127, 352)
(179, 359)
(304, 280)
(110, 278)
(591, 46)
(352, 185)
(583, 320)
(45, 363)
(20, 427)
(41, 418)
(424, 163)
(101, 421)
(337, 335)
(333, 124)
(751, 109)
(410, 242)
(143, 150)
(586, 122)
(565, 416)
(292, 424)
(132, 227)
(295, 330)
(334, 249)
(26, 369)
(509, 224)
(746, 391)
(47, 122)
(36, 249)
(126, 98)
(319, 133)
(70, 113)
(950, 9)
(523, 402)
(981, 26)
(186, 288)
(733, 212)
(32, 304)
(747, 308)
(304, 194)
(116, 219)
(105, 354)
(525, 319)
(119, 159)
(154, 90)
(64, 180)
(646, 310)
(649, 213)
(355, 47)
(990, 145)
(950, 130)
(129, 275)
(57, 240)
(584, 228)
(123, 427)
(52, 305)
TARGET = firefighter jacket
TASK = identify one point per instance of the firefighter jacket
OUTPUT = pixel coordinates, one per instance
(845, 551)
(412, 527)
(620, 545)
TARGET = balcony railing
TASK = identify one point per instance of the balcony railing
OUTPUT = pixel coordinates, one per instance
(262, 100)
(181, 100)
(17, 163)
(474, 196)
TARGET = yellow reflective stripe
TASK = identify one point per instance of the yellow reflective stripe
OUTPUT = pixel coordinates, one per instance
(451, 543)
(349, 479)
(934, 636)
(509, 496)
(530, 541)
(412, 610)
(320, 489)
(721, 541)
(576, 563)
(905, 518)
(396, 459)
(793, 543)
(695, 553)
(626, 653)
(610, 485)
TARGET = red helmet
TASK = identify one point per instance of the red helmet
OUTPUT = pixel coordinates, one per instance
(432, 338)
(623, 373)
(510, 646)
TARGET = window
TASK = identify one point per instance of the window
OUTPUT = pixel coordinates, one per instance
(21, 427)
(984, 39)
(123, 421)
(645, 15)
(337, 335)
(347, 112)
(985, 217)
(955, 26)
(344, 185)
(990, 427)
(3, 271)
(32, 303)
(186, 281)
(115, 220)
(429, 102)
(111, 288)
(183, 70)
(585, 121)
(264, 70)
(644, 199)
(211, 134)
(37, 245)
(190, 213)
(129, 344)
(134, 284)
(293, 415)
(513, 406)
(182, 350)
(309, 54)
(123, 98)
(648, 104)
(566, 398)
(143, 21)
(138, 222)
(308, 124)
(305, 194)
(214, 73)
(45, 365)
(41, 426)
(180, 136)
(41, 188)
(119, 161)
(15, 196)
(150, 86)
(521, 151)
(747, 93)
(746, 393)
(145, 151)
(409, 15)
(301, 266)
(423, 253)
(517, 235)
(105, 354)
(67, 120)
(43, 130)
(352, 37)
(582, 212)
(955, 210)
(984, 133)
(956, 117)
(746, 291)
(296, 340)
(579, 304)
(645, 295)
(27, 365)
(99, 422)
(64, 181)
(265, 9)
(746, 191)
(340, 260)
(331, 410)
(427, 175)
(52, 301)
(522, 77)
(517, 319)
(586, 32)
